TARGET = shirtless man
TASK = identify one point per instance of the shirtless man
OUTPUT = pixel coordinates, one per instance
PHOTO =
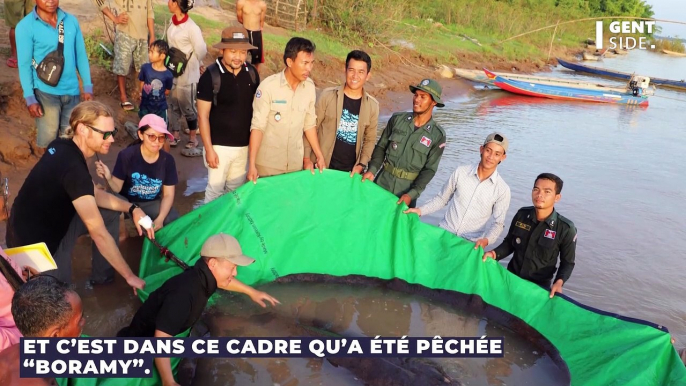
(251, 14)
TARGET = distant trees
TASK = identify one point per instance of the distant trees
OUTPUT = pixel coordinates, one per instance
(638, 8)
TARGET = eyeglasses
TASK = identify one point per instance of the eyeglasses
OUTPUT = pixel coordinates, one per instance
(153, 137)
(105, 134)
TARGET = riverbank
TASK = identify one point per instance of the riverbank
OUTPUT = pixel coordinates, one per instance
(394, 68)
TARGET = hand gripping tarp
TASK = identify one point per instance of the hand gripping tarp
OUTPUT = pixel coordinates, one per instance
(332, 224)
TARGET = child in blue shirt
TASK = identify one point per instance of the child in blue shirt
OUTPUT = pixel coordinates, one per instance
(156, 83)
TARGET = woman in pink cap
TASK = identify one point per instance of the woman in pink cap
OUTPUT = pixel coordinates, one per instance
(144, 173)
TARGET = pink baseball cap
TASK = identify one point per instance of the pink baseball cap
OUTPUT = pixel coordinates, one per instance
(156, 123)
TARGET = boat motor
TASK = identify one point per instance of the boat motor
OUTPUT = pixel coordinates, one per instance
(639, 85)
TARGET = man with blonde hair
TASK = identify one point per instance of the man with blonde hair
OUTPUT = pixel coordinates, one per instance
(59, 202)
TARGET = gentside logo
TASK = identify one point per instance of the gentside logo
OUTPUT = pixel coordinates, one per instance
(625, 27)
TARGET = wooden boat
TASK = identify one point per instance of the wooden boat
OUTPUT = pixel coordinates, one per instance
(480, 77)
(591, 57)
(675, 84)
(571, 93)
(672, 53)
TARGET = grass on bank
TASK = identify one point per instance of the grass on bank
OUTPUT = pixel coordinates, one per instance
(668, 44)
(436, 31)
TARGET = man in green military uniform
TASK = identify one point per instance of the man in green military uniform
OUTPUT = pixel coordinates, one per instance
(410, 146)
(537, 235)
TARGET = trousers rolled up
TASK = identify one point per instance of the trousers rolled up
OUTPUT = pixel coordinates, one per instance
(101, 270)
(230, 173)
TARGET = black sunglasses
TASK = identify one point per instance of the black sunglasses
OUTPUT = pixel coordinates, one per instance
(105, 134)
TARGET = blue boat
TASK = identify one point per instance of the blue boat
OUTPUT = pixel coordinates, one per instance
(675, 84)
(635, 97)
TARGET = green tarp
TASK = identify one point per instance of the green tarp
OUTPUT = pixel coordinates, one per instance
(332, 224)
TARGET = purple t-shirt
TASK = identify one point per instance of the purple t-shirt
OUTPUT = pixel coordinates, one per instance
(143, 181)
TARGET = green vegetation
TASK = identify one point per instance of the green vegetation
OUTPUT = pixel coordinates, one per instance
(440, 29)
(675, 45)
(431, 31)
(487, 20)
(96, 52)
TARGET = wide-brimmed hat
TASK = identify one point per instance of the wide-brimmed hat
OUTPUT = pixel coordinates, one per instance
(432, 87)
(223, 246)
(156, 123)
(236, 38)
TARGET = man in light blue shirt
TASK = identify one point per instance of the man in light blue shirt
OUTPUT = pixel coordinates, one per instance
(477, 196)
(36, 37)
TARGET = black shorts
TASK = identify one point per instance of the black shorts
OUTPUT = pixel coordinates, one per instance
(256, 40)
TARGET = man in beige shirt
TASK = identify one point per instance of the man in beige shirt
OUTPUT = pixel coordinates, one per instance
(135, 24)
(283, 109)
(347, 120)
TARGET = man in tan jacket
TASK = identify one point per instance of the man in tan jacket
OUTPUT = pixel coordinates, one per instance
(347, 119)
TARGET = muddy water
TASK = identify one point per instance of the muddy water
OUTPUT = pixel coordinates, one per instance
(355, 311)
(624, 184)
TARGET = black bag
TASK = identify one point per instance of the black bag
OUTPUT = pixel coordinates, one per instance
(50, 68)
(176, 61)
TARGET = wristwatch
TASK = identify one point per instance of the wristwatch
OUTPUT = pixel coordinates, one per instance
(363, 165)
(132, 208)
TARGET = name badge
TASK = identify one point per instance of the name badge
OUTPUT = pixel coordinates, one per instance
(521, 225)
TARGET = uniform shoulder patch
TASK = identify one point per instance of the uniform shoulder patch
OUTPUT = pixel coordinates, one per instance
(437, 126)
(566, 221)
(258, 94)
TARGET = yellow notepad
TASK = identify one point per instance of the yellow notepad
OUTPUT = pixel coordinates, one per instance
(35, 255)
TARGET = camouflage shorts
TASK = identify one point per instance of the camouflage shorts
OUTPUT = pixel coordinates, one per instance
(15, 10)
(127, 50)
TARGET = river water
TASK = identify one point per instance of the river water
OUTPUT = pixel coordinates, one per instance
(624, 185)
(624, 190)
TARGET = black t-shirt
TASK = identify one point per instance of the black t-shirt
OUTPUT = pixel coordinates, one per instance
(344, 155)
(143, 181)
(230, 118)
(176, 305)
(43, 208)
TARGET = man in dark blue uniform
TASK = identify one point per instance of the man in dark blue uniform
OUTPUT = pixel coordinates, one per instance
(537, 235)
